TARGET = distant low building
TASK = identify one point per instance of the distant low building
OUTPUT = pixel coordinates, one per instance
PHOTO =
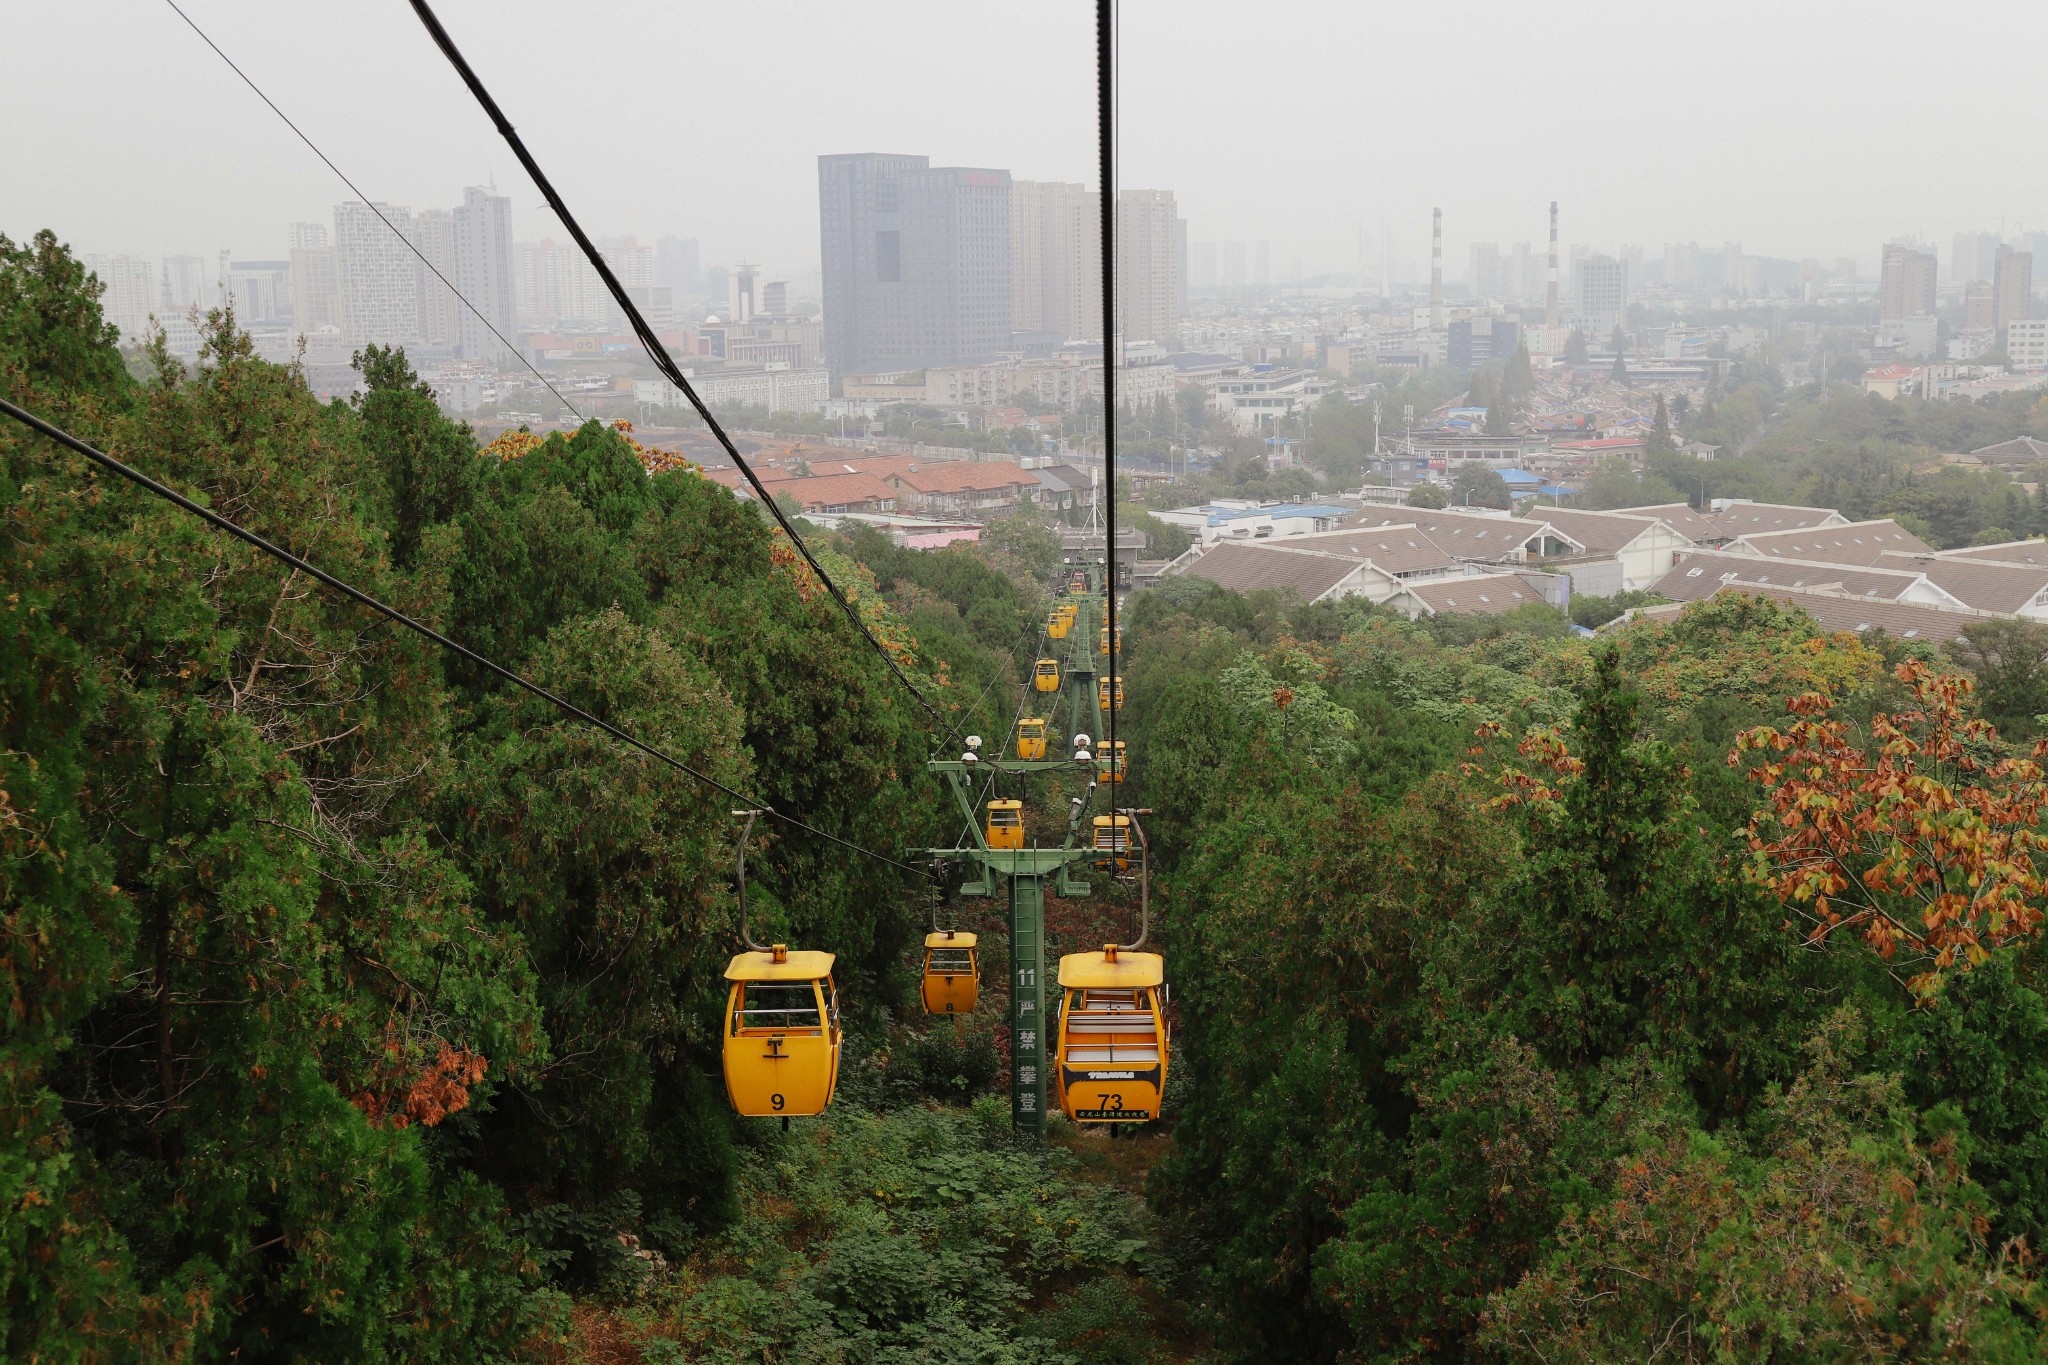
(1622, 552)
(777, 390)
(2016, 456)
(964, 487)
(1231, 519)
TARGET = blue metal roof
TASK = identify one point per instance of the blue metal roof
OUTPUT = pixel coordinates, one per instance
(1305, 509)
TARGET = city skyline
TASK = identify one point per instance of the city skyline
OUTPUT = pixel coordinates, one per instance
(1780, 174)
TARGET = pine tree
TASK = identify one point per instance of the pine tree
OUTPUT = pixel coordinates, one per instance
(1660, 431)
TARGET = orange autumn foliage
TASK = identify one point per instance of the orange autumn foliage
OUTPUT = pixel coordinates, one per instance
(1925, 842)
(513, 445)
(399, 1096)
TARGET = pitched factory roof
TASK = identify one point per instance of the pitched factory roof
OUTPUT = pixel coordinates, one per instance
(1249, 568)
(1984, 584)
(1477, 595)
(1838, 612)
(1679, 518)
(1465, 535)
(1704, 572)
(1858, 542)
(1602, 533)
(2007, 552)
(1740, 518)
(1396, 549)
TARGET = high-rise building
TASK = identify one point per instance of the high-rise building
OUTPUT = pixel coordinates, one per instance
(1906, 283)
(1055, 258)
(1203, 271)
(483, 272)
(1482, 276)
(1603, 295)
(2012, 286)
(1682, 264)
(677, 265)
(316, 287)
(1973, 255)
(1233, 265)
(1262, 264)
(377, 276)
(1522, 281)
(185, 286)
(1148, 267)
(916, 261)
(1979, 312)
(261, 292)
(130, 294)
(439, 310)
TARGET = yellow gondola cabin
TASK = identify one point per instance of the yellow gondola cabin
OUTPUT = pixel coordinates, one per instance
(1111, 766)
(782, 1033)
(1031, 737)
(1113, 842)
(952, 980)
(1060, 622)
(1102, 693)
(1110, 1066)
(1046, 677)
(1005, 824)
(1104, 637)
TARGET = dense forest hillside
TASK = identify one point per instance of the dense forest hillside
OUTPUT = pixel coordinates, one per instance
(1671, 995)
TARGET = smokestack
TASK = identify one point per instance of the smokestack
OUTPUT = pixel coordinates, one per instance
(1436, 270)
(1550, 313)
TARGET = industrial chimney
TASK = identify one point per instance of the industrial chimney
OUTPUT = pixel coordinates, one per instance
(1550, 313)
(1436, 270)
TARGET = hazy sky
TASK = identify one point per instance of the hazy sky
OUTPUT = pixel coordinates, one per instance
(1799, 127)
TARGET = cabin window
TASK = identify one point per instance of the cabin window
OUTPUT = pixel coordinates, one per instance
(778, 1005)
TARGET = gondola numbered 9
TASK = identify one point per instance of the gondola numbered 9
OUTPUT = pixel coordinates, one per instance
(782, 1028)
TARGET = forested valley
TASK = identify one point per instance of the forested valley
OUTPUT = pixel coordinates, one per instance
(1667, 995)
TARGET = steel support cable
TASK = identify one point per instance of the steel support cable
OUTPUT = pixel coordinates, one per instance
(363, 599)
(1105, 109)
(368, 203)
(656, 352)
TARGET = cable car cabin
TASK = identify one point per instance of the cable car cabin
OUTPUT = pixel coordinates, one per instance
(1046, 677)
(1110, 766)
(1005, 824)
(1077, 580)
(1059, 623)
(1031, 737)
(1102, 692)
(952, 979)
(1104, 636)
(1111, 1063)
(1113, 842)
(782, 1033)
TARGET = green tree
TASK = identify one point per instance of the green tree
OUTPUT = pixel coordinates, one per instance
(428, 463)
(1428, 495)
(1575, 348)
(1479, 486)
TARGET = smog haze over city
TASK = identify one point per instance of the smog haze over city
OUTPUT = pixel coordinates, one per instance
(1799, 129)
(729, 696)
